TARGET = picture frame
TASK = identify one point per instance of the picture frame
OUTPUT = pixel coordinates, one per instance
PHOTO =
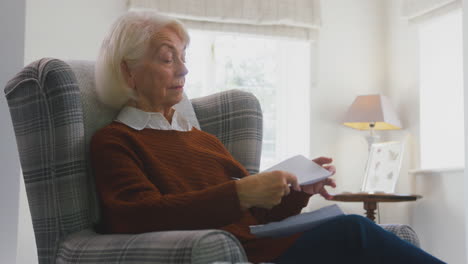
(383, 167)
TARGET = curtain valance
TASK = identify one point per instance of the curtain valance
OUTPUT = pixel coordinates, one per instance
(287, 18)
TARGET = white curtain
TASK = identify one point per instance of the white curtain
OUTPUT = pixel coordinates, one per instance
(422, 10)
(283, 18)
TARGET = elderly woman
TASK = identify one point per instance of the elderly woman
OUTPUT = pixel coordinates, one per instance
(155, 172)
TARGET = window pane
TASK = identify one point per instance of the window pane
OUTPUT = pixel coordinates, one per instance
(247, 63)
(261, 66)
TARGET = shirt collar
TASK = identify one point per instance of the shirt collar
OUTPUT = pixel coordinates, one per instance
(138, 120)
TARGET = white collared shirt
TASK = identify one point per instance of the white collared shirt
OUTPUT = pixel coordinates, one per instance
(138, 120)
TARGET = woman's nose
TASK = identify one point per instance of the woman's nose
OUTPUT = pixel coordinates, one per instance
(181, 69)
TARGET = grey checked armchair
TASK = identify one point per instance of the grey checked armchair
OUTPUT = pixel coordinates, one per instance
(55, 112)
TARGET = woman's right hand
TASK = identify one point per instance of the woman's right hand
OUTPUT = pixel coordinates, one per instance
(265, 189)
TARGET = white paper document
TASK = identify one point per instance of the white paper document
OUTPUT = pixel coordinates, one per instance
(296, 223)
(306, 171)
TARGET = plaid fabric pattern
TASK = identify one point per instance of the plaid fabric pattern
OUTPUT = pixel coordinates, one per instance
(46, 112)
(235, 118)
(46, 104)
(405, 232)
(203, 246)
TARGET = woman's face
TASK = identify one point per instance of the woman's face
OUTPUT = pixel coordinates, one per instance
(159, 77)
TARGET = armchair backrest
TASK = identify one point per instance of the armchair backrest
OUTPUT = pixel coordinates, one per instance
(55, 112)
(44, 102)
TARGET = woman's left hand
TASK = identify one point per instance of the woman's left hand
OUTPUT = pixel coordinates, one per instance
(319, 187)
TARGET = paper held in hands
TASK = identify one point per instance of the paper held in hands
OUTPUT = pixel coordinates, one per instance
(296, 223)
(306, 171)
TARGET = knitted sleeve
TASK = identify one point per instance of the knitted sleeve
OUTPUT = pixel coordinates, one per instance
(131, 203)
(291, 204)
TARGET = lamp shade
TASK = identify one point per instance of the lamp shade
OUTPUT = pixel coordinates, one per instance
(372, 110)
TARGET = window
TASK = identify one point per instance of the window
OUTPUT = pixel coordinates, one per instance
(441, 92)
(276, 71)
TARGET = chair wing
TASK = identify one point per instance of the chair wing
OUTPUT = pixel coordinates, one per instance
(44, 102)
(235, 118)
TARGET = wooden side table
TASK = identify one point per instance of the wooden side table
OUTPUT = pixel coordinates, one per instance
(371, 199)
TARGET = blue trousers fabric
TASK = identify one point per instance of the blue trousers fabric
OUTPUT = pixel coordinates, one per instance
(353, 239)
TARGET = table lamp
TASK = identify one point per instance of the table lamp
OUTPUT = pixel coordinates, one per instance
(372, 112)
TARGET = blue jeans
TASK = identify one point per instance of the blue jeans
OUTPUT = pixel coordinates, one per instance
(352, 239)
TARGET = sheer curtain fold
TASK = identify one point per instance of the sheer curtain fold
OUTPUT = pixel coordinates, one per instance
(422, 10)
(284, 18)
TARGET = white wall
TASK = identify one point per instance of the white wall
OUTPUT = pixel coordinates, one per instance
(439, 217)
(12, 23)
(354, 59)
(403, 91)
(351, 61)
(68, 29)
(366, 47)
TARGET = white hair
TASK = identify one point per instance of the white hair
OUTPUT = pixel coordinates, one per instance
(127, 41)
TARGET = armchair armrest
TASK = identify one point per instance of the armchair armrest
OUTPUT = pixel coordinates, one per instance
(404, 232)
(201, 246)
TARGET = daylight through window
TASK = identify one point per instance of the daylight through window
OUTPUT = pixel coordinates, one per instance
(441, 92)
(276, 71)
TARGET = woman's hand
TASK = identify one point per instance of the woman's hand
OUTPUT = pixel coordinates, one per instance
(319, 187)
(266, 189)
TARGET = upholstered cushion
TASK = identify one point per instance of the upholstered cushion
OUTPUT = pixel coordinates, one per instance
(198, 247)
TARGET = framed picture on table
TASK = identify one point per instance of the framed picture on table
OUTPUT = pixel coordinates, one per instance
(383, 167)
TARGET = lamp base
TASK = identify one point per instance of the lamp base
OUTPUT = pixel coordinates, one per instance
(371, 139)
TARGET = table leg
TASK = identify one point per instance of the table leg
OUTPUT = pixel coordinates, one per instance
(370, 208)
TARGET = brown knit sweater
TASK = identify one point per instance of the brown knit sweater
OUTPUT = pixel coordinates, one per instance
(154, 180)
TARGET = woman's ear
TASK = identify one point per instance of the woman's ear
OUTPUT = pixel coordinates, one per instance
(127, 75)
